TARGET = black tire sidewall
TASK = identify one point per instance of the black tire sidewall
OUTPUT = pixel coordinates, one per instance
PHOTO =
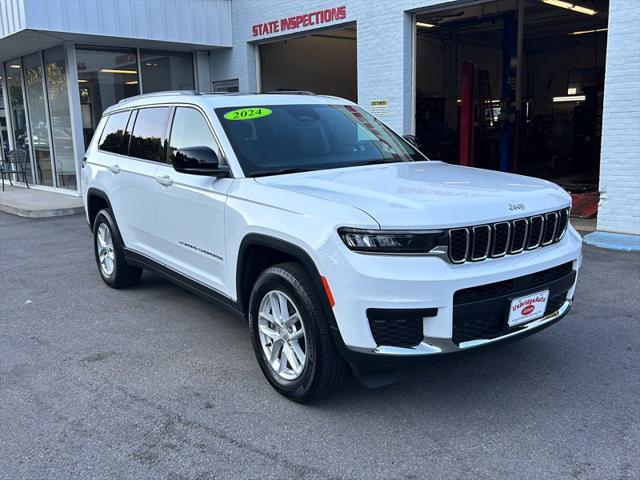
(273, 280)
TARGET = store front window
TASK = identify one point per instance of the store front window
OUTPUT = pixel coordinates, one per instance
(38, 122)
(4, 138)
(17, 111)
(104, 78)
(166, 71)
(55, 66)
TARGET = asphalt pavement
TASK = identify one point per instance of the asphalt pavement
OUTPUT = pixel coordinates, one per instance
(155, 382)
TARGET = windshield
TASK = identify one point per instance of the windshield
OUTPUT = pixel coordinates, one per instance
(272, 139)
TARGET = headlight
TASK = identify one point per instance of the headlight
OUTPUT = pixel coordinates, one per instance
(398, 242)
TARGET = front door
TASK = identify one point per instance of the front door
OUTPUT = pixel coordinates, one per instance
(190, 209)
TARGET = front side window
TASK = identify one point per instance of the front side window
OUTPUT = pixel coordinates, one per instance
(190, 129)
(148, 136)
(113, 133)
(271, 139)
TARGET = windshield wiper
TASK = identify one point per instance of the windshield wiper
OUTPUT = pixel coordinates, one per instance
(372, 162)
(281, 171)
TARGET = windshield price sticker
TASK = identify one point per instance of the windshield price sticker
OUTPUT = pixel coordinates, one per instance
(247, 113)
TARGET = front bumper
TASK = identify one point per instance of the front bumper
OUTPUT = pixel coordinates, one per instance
(362, 282)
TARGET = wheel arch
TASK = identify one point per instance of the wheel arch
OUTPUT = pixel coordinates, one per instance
(281, 250)
(96, 201)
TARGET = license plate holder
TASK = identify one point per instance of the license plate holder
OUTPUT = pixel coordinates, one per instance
(527, 308)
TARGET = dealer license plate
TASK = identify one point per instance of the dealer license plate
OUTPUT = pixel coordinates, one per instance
(526, 309)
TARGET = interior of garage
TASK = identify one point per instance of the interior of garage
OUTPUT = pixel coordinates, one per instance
(515, 86)
(324, 63)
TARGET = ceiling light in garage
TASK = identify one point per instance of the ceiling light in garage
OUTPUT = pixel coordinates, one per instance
(115, 70)
(132, 82)
(425, 25)
(570, 98)
(14, 66)
(582, 32)
(571, 6)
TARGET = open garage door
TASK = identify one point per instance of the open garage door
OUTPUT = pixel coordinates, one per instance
(323, 63)
(515, 85)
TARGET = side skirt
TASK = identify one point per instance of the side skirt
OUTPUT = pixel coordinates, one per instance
(139, 260)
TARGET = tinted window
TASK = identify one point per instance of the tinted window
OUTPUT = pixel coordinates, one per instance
(113, 133)
(272, 138)
(148, 136)
(190, 129)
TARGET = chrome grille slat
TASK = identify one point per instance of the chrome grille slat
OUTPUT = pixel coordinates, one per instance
(551, 228)
(536, 230)
(478, 232)
(507, 237)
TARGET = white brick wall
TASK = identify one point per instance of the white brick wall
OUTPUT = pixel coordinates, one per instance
(385, 72)
(619, 209)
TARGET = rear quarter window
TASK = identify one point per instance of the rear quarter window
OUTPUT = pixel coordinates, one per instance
(114, 132)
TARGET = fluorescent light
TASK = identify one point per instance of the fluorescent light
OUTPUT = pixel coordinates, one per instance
(570, 98)
(425, 25)
(83, 81)
(570, 6)
(572, 91)
(595, 30)
(115, 70)
(14, 66)
(132, 82)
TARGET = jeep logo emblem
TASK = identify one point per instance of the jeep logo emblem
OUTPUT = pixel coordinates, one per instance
(516, 206)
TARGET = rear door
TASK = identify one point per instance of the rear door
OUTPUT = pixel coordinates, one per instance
(190, 209)
(131, 196)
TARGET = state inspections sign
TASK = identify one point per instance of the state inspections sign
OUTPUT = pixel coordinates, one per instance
(295, 22)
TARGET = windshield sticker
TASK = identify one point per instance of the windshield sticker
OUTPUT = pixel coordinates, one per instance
(247, 113)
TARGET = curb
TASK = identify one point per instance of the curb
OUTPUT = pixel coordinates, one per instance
(613, 241)
(44, 213)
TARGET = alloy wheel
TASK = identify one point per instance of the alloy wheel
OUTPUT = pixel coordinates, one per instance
(106, 254)
(282, 335)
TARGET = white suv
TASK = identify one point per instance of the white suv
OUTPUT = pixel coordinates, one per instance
(339, 241)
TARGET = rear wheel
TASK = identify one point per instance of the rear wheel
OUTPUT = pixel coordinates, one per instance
(108, 249)
(291, 337)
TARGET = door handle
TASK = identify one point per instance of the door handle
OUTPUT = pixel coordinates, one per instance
(166, 180)
(115, 168)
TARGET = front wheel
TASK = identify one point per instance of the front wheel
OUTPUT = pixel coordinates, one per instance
(291, 337)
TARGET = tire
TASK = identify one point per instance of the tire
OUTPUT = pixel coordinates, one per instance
(115, 272)
(323, 370)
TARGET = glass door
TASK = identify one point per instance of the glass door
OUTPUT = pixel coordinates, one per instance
(55, 65)
(4, 139)
(17, 111)
(38, 118)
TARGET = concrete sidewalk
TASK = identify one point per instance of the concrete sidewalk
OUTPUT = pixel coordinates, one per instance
(33, 203)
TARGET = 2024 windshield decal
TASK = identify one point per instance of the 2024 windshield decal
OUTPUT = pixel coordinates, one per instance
(247, 113)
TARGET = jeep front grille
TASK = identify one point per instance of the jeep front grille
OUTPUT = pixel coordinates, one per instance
(478, 242)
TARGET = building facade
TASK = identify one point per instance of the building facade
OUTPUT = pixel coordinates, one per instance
(538, 87)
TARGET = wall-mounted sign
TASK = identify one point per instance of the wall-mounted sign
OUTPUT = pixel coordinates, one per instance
(299, 21)
(378, 108)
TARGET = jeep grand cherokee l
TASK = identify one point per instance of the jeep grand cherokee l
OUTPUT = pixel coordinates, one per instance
(341, 244)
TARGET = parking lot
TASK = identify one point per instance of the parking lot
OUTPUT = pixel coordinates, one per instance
(154, 382)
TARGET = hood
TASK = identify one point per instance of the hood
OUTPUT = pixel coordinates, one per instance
(427, 194)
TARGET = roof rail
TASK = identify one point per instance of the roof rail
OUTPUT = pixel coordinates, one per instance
(160, 94)
(291, 92)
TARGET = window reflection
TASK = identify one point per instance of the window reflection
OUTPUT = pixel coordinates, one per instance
(17, 112)
(34, 82)
(166, 71)
(56, 76)
(104, 78)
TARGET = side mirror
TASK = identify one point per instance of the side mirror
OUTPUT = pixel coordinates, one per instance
(199, 161)
(412, 140)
